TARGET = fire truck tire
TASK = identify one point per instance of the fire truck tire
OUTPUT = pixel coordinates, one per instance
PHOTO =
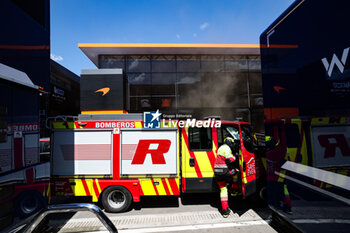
(29, 203)
(116, 199)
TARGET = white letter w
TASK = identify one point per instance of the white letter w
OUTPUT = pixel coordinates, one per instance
(335, 61)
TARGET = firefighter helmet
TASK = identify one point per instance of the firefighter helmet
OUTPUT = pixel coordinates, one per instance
(230, 142)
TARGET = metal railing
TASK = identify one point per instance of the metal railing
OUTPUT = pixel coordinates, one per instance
(67, 208)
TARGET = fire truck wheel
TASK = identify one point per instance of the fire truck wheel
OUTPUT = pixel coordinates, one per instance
(29, 203)
(116, 199)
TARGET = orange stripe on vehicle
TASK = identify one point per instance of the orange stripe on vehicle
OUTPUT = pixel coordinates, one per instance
(174, 186)
(155, 188)
(166, 187)
(196, 167)
(25, 47)
(86, 188)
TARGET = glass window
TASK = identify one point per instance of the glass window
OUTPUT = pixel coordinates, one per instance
(212, 63)
(163, 83)
(200, 138)
(247, 137)
(234, 89)
(138, 104)
(138, 64)
(255, 83)
(188, 63)
(188, 89)
(140, 84)
(234, 63)
(112, 62)
(163, 102)
(227, 131)
(163, 64)
(254, 64)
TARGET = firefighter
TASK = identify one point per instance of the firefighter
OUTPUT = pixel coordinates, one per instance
(279, 195)
(224, 171)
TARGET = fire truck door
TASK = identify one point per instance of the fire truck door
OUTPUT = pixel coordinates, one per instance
(247, 161)
(198, 159)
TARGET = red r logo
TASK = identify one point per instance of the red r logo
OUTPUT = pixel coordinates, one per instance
(332, 142)
(157, 154)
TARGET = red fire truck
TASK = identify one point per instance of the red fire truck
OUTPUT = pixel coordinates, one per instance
(24, 179)
(117, 160)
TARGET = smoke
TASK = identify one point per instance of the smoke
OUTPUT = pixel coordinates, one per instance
(215, 94)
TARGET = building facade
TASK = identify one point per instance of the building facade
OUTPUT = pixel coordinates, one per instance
(192, 79)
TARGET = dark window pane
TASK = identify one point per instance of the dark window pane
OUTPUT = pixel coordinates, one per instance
(223, 90)
(140, 84)
(163, 64)
(234, 63)
(138, 64)
(254, 64)
(188, 63)
(236, 90)
(163, 102)
(112, 62)
(200, 139)
(293, 136)
(139, 104)
(255, 83)
(163, 83)
(188, 91)
(212, 63)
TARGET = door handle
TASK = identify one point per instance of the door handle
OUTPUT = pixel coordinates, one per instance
(192, 162)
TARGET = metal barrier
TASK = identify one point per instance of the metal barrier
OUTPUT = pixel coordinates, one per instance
(66, 208)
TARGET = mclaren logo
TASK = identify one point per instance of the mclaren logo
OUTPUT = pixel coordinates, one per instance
(335, 61)
(104, 90)
(278, 89)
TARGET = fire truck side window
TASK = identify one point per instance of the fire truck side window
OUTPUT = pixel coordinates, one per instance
(227, 131)
(247, 138)
(293, 136)
(200, 139)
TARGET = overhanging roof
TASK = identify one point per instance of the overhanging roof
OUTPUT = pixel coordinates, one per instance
(92, 51)
(17, 76)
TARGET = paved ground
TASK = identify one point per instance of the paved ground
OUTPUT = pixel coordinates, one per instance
(190, 214)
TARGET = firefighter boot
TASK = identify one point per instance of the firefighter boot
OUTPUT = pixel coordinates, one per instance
(226, 212)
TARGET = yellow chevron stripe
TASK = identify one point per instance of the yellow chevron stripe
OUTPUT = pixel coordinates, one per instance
(48, 191)
(98, 185)
(343, 120)
(94, 195)
(138, 124)
(63, 125)
(316, 121)
(244, 176)
(160, 187)
(147, 187)
(78, 188)
(204, 164)
(169, 187)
